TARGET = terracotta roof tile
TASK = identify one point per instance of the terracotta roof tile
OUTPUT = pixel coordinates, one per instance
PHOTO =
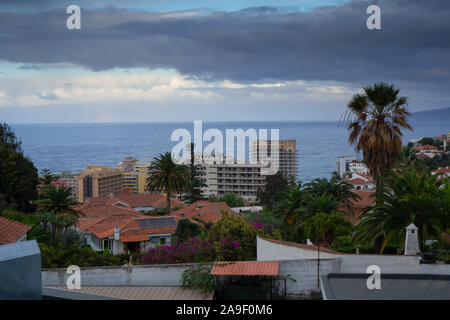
(204, 210)
(245, 268)
(11, 231)
(155, 200)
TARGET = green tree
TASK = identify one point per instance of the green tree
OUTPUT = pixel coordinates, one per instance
(273, 186)
(335, 188)
(18, 176)
(57, 209)
(377, 118)
(235, 239)
(186, 230)
(164, 175)
(232, 200)
(195, 183)
(331, 228)
(408, 196)
(408, 159)
(47, 177)
(291, 200)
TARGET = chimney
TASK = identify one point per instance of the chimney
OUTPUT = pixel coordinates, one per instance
(412, 241)
(116, 233)
(111, 194)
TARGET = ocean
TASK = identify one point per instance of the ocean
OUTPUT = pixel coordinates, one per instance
(70, 147)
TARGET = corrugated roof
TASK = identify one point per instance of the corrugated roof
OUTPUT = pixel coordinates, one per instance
(128, 293)
(245, 268)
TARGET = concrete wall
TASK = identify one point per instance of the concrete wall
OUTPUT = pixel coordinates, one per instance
(269, 251)
(391, 264)
(151, 275)
(20, 271)
(304, 272)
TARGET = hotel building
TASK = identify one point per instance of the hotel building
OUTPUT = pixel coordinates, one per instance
(98, 181)
(287, 160)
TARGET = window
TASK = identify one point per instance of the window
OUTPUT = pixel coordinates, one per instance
(108, 244)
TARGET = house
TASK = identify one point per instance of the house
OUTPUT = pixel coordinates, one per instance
(362, 181)
(12, 231)
(140, 202)
(359, 205)
(206, 211)
(445, 170)
(120, 229)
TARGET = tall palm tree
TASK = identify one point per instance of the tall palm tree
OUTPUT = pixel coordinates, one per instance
(336, 188)
(165, 175)
(408, 196)
(290, 201)
(57, 202)
(377, 118)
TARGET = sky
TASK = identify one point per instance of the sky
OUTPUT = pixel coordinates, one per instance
(222, 60)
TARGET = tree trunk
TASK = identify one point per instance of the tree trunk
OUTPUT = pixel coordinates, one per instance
(168, 203)
(53, 234)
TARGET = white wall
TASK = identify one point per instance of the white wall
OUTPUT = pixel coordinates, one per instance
(151, 275)
(305, 274)
(390, 264)
(269, 251)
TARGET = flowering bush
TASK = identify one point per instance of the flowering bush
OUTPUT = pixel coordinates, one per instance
(234, 238)
(192, 250)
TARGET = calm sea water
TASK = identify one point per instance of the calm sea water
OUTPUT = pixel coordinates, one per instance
(70, 147)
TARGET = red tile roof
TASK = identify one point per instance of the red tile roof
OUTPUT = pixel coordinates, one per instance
(137, 235)
(359, 205)
(425, 147)
(204, 210)
(155, 200)
(245, 268)
(442, 170)
(92, 210)
(11, 231)
(303, 246)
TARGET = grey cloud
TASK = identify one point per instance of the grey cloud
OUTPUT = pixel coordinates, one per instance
(329, 43)
(48, 96)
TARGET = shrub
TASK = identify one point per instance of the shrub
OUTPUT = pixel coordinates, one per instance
(82, 256)
(198, 277)
(331, 227)
(229, 231)
(193, 250)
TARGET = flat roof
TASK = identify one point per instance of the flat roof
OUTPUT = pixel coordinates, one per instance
(348, 286)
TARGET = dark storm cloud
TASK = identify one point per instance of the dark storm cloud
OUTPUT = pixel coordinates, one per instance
(329, 43)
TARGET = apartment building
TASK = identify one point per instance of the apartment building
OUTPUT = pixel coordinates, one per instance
(240, 179)
(70, 180)
(346, 166)
(134, 174)
(98, 181)
(287, 159)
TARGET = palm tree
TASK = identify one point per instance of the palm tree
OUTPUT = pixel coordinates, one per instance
(376, 119)
(314, 205)
(290, 201)
(408, 196)
(47, 177)
(165, 175)
(336, 188)
(57, 202)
